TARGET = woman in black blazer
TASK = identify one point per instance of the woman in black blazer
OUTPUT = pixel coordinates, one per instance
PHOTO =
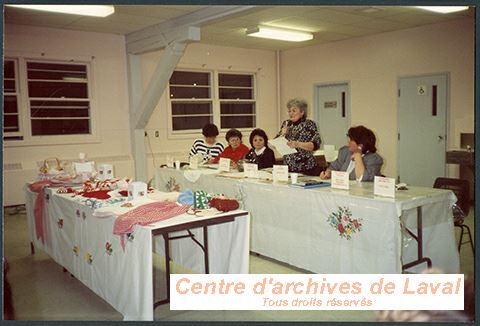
(260, 154)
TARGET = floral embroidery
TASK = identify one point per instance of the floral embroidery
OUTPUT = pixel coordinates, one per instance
(84, 216)
(172, 185)
(76, 250)
(60, 223)
(344, 222)
(108, 248)
(89, 258)
(130, 237)
(77, 212)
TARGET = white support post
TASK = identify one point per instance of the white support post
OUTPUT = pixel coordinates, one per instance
(137, 136)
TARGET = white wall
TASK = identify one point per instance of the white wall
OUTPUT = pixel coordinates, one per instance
(373, 65)
(111, 97)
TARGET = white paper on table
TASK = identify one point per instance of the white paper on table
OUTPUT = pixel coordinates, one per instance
(340, 180)
(280, 144)
(384, 187)
(224, 164)
(250, 170)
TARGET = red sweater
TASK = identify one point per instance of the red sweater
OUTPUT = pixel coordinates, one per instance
(234, 155)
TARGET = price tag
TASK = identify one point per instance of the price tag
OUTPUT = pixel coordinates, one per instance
(250, 170)
(224, 164)
(384, 187)
(280, 173)
(340, 180)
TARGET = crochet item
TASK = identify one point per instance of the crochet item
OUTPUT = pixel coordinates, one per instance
(144, 215)
(201, 199)
(224, 204)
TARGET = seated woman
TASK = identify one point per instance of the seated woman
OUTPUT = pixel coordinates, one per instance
(359, 158)
(235, 150)
(302, 134)
(208, 147)
(260, 154)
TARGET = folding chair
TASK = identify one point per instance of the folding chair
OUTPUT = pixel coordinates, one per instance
(461, 188)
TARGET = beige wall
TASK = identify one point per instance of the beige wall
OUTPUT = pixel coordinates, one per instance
(110, 95)
(373, 65)
(215, 58)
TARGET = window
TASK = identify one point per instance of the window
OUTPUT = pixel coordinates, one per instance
(194, 104)
(58, 98)
(237, 107)
(11, 122)
(190, 95)
(46, 98)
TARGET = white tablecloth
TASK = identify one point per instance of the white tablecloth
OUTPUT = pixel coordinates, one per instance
(292, 224)
(87, 248)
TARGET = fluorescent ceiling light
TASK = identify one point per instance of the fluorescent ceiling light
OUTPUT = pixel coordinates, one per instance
(445, 9)
(85, 10)
(279, 34)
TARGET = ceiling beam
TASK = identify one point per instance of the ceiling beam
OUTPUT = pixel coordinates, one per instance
(159, 36)
(185, 34)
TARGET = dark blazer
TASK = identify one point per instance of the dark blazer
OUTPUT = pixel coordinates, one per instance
(372, 161)
(265, 160)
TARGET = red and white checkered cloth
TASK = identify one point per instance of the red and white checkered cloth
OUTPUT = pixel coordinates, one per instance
(146, 214)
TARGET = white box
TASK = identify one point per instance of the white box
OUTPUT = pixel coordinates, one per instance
(136, 190)
(105, 172)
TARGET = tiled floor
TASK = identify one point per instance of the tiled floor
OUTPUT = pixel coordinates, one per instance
(42, 291)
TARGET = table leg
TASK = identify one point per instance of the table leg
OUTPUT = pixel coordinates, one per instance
(205, 249)
(32, 248)
(419, 239)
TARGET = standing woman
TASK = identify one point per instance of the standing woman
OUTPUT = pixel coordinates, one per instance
(208, 147)
(302, 134)
(260, 154)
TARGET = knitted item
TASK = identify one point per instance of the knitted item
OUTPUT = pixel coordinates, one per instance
(224, 204)
(39, 188)
(99, 194)
(144, 215)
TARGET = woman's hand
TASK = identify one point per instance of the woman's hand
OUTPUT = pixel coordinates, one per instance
(292, 143)
(284, 131)
(325, 174)
(210, 160)
(233, 164)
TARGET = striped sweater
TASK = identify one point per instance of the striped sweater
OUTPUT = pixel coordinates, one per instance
(201, 147)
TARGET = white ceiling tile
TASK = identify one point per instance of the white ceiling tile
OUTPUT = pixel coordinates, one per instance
(328, 23)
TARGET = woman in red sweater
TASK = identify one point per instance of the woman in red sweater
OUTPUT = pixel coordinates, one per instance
(235, 150)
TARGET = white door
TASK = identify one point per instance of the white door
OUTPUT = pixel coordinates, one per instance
(422, 112)
(332, 104)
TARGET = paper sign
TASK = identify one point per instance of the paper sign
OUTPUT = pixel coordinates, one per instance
(384, 187)
(340, 180)
(250, 170)
(86, 167)
(224, 164)
(280, 173)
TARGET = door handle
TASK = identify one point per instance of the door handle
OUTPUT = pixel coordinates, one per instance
(440, 138)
